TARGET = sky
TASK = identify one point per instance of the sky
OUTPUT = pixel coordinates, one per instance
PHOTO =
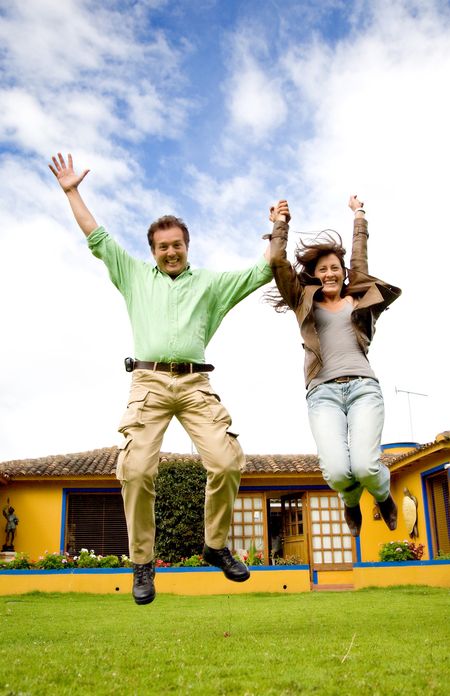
(212, 110)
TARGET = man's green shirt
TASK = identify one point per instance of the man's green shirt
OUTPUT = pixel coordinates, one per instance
(174, 319)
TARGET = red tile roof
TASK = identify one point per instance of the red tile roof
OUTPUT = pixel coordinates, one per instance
(102, 462)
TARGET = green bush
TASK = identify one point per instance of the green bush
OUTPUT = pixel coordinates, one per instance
(20, 562)
(288, 560)
(57, 561)
(87, 559)
(394, 551)
(443, 556)
(110, 561)
(179, 511)
(195, 561)
(53, 561)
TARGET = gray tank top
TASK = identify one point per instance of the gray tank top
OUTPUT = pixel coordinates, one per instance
(340, 350)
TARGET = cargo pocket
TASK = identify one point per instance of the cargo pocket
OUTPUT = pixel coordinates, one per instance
(216, 409)
(133, 416)
(124, 450)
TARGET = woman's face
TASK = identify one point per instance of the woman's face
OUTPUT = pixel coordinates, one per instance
(329, 270)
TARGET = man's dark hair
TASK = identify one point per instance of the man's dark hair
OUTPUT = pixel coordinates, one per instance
(164, 223)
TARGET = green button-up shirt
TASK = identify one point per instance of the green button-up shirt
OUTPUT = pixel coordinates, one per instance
(174, 319)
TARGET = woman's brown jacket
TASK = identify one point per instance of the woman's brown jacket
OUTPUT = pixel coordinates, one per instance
(372, 294)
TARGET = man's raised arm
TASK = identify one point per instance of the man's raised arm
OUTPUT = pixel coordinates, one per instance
(69, 182)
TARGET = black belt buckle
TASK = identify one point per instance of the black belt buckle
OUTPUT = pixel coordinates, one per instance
(129, 364)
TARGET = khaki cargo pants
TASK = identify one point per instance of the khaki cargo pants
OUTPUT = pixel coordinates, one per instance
(155, 397)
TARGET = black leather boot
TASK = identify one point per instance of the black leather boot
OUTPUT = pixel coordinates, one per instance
(222, 558)
(353, 518)
(388, 511)
(143, 582)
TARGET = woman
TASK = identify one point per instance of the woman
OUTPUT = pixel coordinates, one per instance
(336, 311)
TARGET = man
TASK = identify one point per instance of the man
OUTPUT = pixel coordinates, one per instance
(174, 312)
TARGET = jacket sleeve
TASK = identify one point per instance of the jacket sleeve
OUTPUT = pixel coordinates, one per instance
(288, 284)
(359, 260)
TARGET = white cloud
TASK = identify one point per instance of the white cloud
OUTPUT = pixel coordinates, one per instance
(313, 121)
(255, 102)
(69, 66)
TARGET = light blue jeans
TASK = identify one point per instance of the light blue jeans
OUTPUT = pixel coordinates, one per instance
(347, 421)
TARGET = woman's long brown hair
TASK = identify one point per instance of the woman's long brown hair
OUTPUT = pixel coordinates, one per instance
(307, 255)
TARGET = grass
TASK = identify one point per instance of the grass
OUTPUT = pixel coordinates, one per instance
(374, 642)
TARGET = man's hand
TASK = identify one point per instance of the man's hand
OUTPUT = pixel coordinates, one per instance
(67, 178)
(354, 203)
(280, 211)
(69, 182)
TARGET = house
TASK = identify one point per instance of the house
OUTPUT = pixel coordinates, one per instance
(284, 508)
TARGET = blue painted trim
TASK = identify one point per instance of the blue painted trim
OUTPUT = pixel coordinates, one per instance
(62, 531)
(315, 577)
(298, 487)
(358, 549)
(112, 571)
(434, 470)
(426, 508)
(394, 445)
(69, 571)
(399, 564)
(92, 490)
(210, 569)
(65, 493)
(426, 512)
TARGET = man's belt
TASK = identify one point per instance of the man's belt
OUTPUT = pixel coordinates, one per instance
(173, 367)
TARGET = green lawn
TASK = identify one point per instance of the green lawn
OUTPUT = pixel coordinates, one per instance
(375, 641)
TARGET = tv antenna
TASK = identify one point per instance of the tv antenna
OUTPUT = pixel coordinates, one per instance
(409, 393)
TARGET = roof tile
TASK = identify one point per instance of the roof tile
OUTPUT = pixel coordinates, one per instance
(102, 462)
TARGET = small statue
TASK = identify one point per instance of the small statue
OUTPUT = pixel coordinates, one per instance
(11, 523)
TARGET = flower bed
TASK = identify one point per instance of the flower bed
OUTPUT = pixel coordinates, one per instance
(398, 551)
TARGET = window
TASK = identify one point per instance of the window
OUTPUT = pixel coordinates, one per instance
(96, 521)
(292, 516)
(247, 527)
(440, 513)
(330, 537)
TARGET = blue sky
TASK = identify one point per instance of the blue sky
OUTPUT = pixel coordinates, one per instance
(212, 110)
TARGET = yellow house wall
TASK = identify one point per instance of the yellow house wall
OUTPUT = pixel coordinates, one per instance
(437, 575)
(335, 577)
(38, 505)
(283, 581)
(374, 533)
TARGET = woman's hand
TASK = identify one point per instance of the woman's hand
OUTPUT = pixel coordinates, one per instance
(280, 211)
(354, 203)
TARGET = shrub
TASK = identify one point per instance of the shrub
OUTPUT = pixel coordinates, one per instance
(443, 556)
(53, 561)
(110, 561)
(394, 551)
(179, 510)
(86, 559)
(288, 560)
(252, 556)
(195, 561)
(20, 562)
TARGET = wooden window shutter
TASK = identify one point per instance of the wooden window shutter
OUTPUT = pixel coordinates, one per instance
(96, 521)
(440, 511)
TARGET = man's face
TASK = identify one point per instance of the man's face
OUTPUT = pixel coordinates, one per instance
(170, 251)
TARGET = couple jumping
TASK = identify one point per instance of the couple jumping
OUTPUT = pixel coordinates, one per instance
(174, 312)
